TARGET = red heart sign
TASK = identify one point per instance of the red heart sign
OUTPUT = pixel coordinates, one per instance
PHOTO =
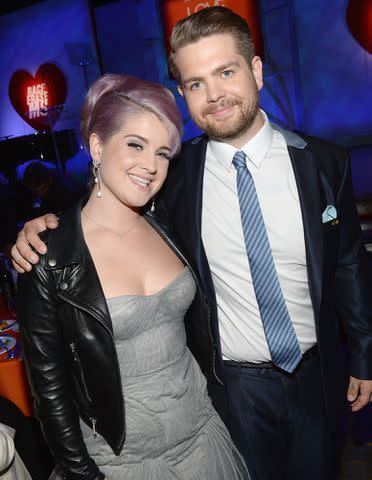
(359, 22)
(33, 97)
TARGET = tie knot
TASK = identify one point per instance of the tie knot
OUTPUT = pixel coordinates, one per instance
(239, 160)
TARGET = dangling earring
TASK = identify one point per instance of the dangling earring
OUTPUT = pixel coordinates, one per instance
(97, 176)
(152, 209)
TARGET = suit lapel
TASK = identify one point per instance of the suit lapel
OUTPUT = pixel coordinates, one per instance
(309, 191)
(194, 176)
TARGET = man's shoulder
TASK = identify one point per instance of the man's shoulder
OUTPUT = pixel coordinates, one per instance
(194, 140)
(45, 235)
(316, 143)
(191, 153)
(302, 140)
(327, 154)
(331, 158)
(66, 239)
(193, 144)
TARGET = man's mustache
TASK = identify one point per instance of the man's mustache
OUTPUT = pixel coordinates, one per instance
(219, 106)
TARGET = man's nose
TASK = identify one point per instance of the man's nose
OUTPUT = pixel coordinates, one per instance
(215, 91)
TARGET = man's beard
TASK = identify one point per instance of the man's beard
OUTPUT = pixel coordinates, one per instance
(234, 128)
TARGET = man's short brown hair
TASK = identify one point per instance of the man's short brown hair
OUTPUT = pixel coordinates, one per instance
(207, 22)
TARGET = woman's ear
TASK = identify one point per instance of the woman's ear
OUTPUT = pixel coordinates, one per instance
(95, 147)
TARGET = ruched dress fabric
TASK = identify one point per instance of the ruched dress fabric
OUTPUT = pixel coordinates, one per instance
(173, 432)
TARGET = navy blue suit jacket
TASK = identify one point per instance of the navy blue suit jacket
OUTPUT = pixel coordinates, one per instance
(338, 271)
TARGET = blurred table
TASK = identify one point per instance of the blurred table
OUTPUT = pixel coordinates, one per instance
(13, 380)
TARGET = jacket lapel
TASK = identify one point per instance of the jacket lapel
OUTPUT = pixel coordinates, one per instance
(309, 190)
(84, 290)
(76, 278)
(194, 176)
(194, 162)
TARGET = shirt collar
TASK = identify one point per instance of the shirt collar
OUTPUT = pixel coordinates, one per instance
(255, 149)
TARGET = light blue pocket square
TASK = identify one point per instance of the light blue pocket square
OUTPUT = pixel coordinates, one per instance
(330, 214)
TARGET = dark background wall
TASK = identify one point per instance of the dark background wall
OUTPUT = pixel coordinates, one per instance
(43, 33)
(318, 78)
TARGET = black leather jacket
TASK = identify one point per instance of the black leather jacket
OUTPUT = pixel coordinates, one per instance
(69, 348)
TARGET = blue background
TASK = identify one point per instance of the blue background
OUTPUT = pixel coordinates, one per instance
(318, 79)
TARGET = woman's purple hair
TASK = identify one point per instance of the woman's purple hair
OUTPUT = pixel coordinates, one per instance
(114, 98)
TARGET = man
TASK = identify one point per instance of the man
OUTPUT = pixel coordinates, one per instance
(269, 220)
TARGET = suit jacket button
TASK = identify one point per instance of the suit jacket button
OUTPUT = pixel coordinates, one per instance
(52, 262)
(63, 286)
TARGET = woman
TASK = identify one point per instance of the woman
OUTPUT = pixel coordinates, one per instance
(118, 393)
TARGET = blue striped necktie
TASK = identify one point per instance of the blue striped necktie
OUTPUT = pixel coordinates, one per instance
(280, 335)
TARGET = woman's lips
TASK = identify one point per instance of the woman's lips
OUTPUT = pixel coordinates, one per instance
(139, 182)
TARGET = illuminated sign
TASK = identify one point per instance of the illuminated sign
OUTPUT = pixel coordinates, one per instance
(38, 99)
(174, 10)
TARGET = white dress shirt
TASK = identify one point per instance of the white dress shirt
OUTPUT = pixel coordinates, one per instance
(242, 334)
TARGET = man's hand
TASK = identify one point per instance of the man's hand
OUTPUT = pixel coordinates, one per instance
(22, 254)
(359, 393)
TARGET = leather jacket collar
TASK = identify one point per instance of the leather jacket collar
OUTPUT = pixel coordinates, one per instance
(67, 245)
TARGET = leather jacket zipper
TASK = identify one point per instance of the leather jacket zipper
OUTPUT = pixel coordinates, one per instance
(76, 305)
(81, 373)
(87, 310)
(94, 421)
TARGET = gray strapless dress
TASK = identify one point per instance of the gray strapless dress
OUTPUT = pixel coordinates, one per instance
(173, 432)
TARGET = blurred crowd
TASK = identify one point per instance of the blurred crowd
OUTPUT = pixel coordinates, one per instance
(40, 190)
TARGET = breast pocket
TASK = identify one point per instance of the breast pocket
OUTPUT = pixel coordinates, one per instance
(331, 234)
(332, 226)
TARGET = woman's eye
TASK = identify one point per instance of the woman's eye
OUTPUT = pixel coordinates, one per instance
(164, 155)
(135, 145)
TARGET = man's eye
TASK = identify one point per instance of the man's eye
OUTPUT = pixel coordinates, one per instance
(195, 86)
(227, 73)
(135, 145)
